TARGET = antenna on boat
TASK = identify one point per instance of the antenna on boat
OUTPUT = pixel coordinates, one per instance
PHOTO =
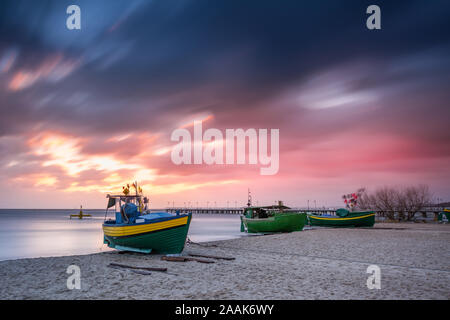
(249, 202)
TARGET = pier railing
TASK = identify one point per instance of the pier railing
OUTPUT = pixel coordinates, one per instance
(429, 213)
(206, 210)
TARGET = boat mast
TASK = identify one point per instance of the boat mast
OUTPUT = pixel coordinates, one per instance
(249, 202)
(136, 188)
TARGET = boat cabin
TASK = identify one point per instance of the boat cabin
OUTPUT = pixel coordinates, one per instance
(264, 212)
(127, 207)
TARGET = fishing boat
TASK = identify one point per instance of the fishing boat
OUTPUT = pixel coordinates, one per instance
(346, 217)
(444, 216)
(271, 219)
(137, 229)
(343, 218)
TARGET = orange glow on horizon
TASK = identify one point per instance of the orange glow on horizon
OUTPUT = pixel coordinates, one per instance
(65, 152)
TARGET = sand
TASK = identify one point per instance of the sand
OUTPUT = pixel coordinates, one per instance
(321, 263)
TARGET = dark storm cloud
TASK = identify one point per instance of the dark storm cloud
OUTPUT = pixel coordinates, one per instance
(137, 53)
(92, 107)
(147, 64)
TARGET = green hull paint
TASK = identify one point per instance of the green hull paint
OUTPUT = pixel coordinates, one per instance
(162, 241)
(444, 216)
(281, 222)
(354, 219)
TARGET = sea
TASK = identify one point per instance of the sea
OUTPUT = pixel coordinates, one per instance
(32, 233)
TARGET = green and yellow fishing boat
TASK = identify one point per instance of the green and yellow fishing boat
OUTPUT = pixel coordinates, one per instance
(136, 229)
(271, 219)
(343, 218)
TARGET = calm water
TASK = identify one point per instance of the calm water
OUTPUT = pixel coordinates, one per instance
(43, 233)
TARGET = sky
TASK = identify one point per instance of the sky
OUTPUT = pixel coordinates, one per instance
(83, 112)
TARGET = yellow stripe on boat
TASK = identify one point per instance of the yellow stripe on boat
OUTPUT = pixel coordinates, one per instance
(137, 229)
(340, 219)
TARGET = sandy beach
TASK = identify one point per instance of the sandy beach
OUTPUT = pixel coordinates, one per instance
(319, 263)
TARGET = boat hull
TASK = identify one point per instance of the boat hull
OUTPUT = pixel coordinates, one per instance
(167, 236)
(364, 219)
(287, 222)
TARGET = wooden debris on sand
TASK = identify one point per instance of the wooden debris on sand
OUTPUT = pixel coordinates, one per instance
(142, 268)
(138, 271)
(211, 257)
(184, 259)
(143, 272)
(382, 228)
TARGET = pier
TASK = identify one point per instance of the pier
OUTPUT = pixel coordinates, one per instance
(201, 210)
(427, 213)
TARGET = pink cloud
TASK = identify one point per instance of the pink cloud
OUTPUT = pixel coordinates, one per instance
(52, 69)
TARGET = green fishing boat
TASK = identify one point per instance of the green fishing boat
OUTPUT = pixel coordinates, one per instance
(444, 216)
(137, 229)
(343, 218)
(271, 219)
(278, 222)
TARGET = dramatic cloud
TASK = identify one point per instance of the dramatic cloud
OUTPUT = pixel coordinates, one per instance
(84, 111)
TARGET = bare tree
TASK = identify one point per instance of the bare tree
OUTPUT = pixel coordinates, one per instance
(390, 200)
(416, 198)
(385, 200)
(400, 204)
(365, 202)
